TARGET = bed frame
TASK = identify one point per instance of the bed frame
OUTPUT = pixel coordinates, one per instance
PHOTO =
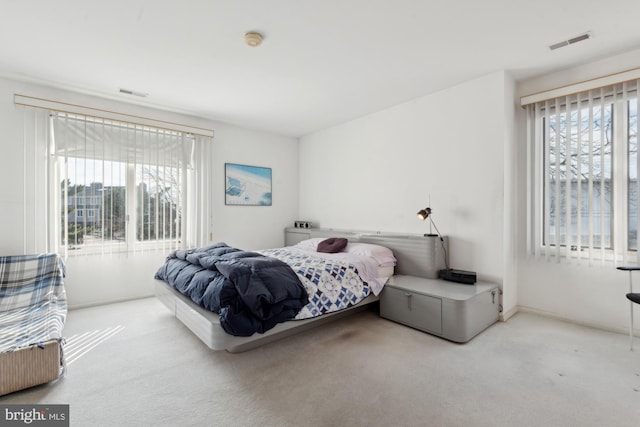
(411, 252)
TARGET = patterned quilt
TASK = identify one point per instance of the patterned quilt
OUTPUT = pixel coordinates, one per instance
(33, 302)
(332, 285)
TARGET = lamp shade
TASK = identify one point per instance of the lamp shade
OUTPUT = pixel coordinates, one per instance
(424, 213)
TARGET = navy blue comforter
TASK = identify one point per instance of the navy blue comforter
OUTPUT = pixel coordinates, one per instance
(251, 292)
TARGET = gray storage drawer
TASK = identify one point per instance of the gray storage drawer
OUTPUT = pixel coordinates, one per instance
(449, 310)
(413, 309)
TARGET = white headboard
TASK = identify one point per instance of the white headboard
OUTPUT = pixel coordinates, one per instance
(417, 255)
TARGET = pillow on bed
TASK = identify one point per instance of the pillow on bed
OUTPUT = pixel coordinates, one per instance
(332, 245)
(382, 254)
(310, 243)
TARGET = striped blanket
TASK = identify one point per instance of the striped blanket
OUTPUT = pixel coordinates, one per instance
(33, 302)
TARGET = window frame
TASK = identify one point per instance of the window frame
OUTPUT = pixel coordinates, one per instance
(620, 97)
(64, 170)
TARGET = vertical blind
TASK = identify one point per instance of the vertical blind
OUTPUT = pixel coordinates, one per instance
(583, 176)
(111, 187)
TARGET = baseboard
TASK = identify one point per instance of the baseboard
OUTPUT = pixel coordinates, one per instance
(108, 301)
(504, 316)
(600, 326)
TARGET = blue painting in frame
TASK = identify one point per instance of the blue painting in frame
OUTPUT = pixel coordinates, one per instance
(247, 185)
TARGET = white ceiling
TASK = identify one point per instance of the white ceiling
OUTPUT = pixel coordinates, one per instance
(322, 62)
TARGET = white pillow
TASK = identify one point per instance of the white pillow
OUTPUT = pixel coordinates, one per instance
(310, 243)
(383, 255)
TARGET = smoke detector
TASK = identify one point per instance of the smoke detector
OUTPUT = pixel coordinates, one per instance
(253, 39)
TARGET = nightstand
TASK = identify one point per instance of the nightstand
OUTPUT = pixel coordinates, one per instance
(453, 311)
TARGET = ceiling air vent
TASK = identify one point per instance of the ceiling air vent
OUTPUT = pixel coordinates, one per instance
(134, 93)
(576, 39)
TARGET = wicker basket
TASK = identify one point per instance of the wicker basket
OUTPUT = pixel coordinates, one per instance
(29, 366)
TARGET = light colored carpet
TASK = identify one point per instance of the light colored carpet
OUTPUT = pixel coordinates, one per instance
(357, 371)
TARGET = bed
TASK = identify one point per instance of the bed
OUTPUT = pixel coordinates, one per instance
(33, 309)
(409, 252)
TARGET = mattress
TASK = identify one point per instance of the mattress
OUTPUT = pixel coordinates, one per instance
(386, 271)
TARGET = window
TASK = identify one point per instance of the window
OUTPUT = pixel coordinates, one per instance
(113, 184)
(121, 185)
(584, 183)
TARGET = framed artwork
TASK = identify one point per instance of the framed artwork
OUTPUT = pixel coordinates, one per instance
(247, 185)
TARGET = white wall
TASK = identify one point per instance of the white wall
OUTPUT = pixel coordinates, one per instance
(376, 172)
(592, 295)
(256, 227)
(91, 280)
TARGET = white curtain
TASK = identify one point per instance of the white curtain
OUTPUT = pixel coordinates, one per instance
(39, 190)
(198, 217)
